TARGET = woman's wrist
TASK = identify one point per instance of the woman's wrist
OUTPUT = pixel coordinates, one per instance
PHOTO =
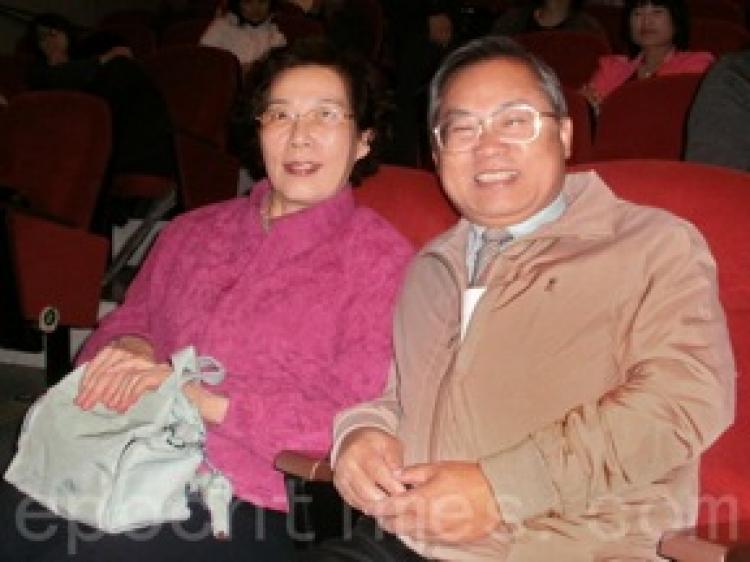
(136, 345)
(212, 406)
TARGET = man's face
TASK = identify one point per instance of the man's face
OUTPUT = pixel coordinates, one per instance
(497, 183)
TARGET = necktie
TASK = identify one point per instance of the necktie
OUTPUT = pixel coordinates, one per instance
(493, 240)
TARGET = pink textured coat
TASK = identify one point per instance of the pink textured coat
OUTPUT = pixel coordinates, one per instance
(615, 70)
(300, 316)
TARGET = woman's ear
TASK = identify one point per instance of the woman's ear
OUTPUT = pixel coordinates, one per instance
(363, 143)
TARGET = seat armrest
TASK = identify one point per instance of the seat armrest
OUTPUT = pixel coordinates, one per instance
(307, 465)
(685, 546)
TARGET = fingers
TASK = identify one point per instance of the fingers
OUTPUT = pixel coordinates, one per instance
(364, 471)
(117, 378)
(417, 474)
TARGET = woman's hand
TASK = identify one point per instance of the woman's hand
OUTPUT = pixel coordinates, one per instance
(116, 52)
(120, 374)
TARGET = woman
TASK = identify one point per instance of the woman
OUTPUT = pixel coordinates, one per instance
(100, 65)
(246, 30)
(291, 289)
(541, 15)
(657, 35)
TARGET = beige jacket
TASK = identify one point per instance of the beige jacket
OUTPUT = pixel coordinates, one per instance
(595, 370)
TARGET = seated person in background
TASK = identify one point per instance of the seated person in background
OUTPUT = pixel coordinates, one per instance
(561, 357)
(141, 126)
(291, 289)
(540, 15)
(657, 36)
(719, 124)
(247, 30)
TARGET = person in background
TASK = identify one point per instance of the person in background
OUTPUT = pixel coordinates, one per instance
(657, 36)
(246, 29)
(561, 359)
(141, 126)
(541, 15)
(719, 124)
(291, 289)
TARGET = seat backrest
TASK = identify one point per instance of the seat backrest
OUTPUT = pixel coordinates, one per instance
(726, 10)
(718, 36)
(411, 199)
(186, 32)
(13, 71)
(140, 38)
(199, 84)
(717, 201)
(294, 24)
(579, 111)
(646, 118)
(129, 17)
(573, 55)
(54, 150)
(610, 16)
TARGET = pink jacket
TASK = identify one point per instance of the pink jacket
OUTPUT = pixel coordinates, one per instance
(300, 317)
(615, 70)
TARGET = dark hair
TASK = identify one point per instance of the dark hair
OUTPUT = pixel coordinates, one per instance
(575, 5)
(234, 7)
(57, 22)
(489, 48)
(678, 11)
(369, 105)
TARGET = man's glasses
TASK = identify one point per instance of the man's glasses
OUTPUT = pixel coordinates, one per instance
(517, 123)
(321, 118)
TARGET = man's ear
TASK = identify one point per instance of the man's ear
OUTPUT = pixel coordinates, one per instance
(566, 135)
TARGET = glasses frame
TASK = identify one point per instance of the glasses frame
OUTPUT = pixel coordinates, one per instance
(485, 122)
(308, 116)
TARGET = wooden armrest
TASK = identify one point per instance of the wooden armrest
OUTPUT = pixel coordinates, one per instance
(684, 546)
(307, 465)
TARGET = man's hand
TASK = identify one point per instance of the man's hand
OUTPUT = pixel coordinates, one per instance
(120, 374)
(447, 502)
(365, 468)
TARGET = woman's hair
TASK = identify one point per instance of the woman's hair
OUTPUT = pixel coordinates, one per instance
(494, 47)
(52, 21)
(234, 7)
(575, 5)
(368, 102)
(678, 11)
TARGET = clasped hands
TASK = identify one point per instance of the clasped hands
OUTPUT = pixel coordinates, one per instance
(445, 502)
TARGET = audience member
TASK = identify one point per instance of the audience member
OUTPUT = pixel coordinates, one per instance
(142, 129)
(247, 30)
(657, 36)
(719, 124)
(291, 289)
(541, 15)
(561, 358)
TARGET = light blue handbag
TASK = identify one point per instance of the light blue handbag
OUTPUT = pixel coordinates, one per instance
(115, 471)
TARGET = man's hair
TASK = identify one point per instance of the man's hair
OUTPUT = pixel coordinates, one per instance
(495, 48)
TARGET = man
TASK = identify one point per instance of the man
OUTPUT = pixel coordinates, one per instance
(719, 124)
(552, 404)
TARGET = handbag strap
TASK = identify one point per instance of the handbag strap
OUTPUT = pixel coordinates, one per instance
(188, 366)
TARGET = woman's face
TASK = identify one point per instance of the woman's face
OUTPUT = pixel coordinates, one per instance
(651, 26)
(308, 137)
(53, 43)
(255, 11)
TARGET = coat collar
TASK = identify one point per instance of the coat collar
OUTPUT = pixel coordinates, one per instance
(588, 216)
(298, 232)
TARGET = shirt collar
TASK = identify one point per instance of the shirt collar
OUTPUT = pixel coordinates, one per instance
(548, 214)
